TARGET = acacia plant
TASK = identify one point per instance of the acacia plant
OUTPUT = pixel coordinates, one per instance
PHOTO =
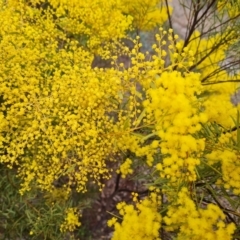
(67, 126)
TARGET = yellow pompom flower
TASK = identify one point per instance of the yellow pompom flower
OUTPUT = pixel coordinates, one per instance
(197, 224)
(71, 220)
(140, 223)
(125, 168)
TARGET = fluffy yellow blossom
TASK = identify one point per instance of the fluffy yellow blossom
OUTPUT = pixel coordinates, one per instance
(208, 58)
(60, 118)
(55, 108)
(219, 102)
(125, 168)
(91, 20)
(71, 220)
(231, 7)
(230, 167)
(176, 119)
(197, 223)
(146, 14)
(141, 223)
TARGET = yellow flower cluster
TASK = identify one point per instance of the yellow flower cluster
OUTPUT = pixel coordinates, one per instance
(146, 14)
(171, 104)
(125, 168)
(98, 21)
(71, 220)
(140, 223)
(230, 167)
(58, 195)
(219, 102)
(60, 118)
(231, 7)
(171, 109)
(196, 223)
(93, 23)
(54, 107)
(208, 59)
(208, 55)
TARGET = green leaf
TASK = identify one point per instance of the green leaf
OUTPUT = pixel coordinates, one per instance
(126, 124)
(139, 95)
(149, 136)
(138, 135)
(141, 116)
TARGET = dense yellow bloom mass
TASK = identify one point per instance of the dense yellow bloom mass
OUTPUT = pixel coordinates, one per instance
(90, 21)
(146, 13)
(176, 118)
(71, 220)
(210, 53)
(60, 118)
(125, 168)
(231, 7)
(54, 106)
(140, 223)
(230, 166)
(196, 223)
